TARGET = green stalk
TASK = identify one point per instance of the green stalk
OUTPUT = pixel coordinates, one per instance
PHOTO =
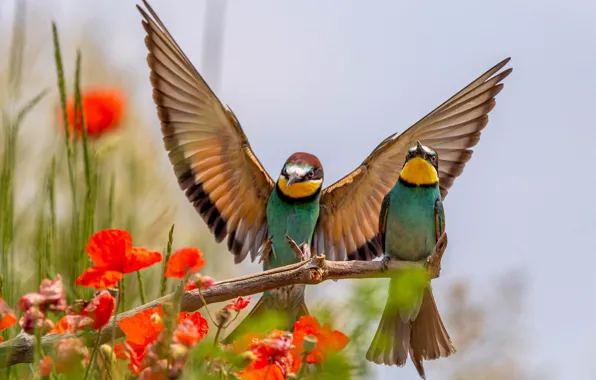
(89, 213)
(93, 354)
(141, 287)
(74, 227)
(168, 254)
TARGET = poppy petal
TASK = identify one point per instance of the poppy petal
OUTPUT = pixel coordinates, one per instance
(141, 258)
(99, 278)
(184, 261)
(141, 329)
(272, 372)
(110, 249)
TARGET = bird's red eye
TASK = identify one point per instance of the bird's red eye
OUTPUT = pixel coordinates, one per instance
(433, 159)
(311, 174)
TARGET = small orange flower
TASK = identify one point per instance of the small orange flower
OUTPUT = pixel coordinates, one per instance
(7, 317)
(103, 109)
(100, 309)
(113, 255)
(328, 340)
(184, 261)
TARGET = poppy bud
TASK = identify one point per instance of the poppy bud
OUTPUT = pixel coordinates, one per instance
(309, 343)
(223, 316)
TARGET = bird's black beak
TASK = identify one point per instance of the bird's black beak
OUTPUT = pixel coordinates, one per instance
(419, 149)
(293, 179)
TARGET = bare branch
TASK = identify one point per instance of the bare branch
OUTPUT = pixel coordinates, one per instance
(311, 271)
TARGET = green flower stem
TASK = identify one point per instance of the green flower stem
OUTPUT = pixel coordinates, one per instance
(141, 287)
(205, 305)
(118, 306)
(302, 366)
(93, 353)
(162, 291)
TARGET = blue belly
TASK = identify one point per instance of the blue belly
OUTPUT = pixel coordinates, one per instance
(410, 231)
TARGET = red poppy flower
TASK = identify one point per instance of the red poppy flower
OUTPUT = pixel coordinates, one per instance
(45, 366)
(328, 340)
(32, 319)
(71, 323)
(113, 255)
(7, 317)
(103, 109)
(274, 349)
(51, 297)
(191, 329)
(143, 328)
(134, 353)
(100, 309)
(205, 281)
(184, 261)
(70, 352)
(239, 303)
(273, 372)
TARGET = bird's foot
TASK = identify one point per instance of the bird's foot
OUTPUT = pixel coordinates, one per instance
(266, 251)
(302, 251)
(385, 262)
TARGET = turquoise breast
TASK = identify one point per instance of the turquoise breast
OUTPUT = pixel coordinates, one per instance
(410, 230)
(294, 218)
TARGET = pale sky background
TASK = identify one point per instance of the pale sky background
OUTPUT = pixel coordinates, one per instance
(335, 78)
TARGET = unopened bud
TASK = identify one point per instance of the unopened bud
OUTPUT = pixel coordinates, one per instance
(223, 316)
(309, 343)
(106, 350)
(107, 355)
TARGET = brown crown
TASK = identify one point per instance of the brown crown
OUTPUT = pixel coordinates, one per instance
(305, 158)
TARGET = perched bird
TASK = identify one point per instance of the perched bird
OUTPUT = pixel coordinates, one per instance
(240, 202)
(410, 224)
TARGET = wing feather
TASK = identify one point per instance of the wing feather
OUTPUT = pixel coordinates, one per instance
(207, 148)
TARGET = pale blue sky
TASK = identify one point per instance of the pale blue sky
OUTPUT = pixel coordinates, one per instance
(335, 78)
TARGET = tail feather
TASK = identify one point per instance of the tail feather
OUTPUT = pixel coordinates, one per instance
(429, 339)
(423, 337)
(391, 343)
(286, 323)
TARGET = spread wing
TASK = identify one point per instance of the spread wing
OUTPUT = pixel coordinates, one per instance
(348, 221)
(210, 153)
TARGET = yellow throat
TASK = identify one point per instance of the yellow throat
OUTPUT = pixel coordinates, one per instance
(418, 171)
(299, 189)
